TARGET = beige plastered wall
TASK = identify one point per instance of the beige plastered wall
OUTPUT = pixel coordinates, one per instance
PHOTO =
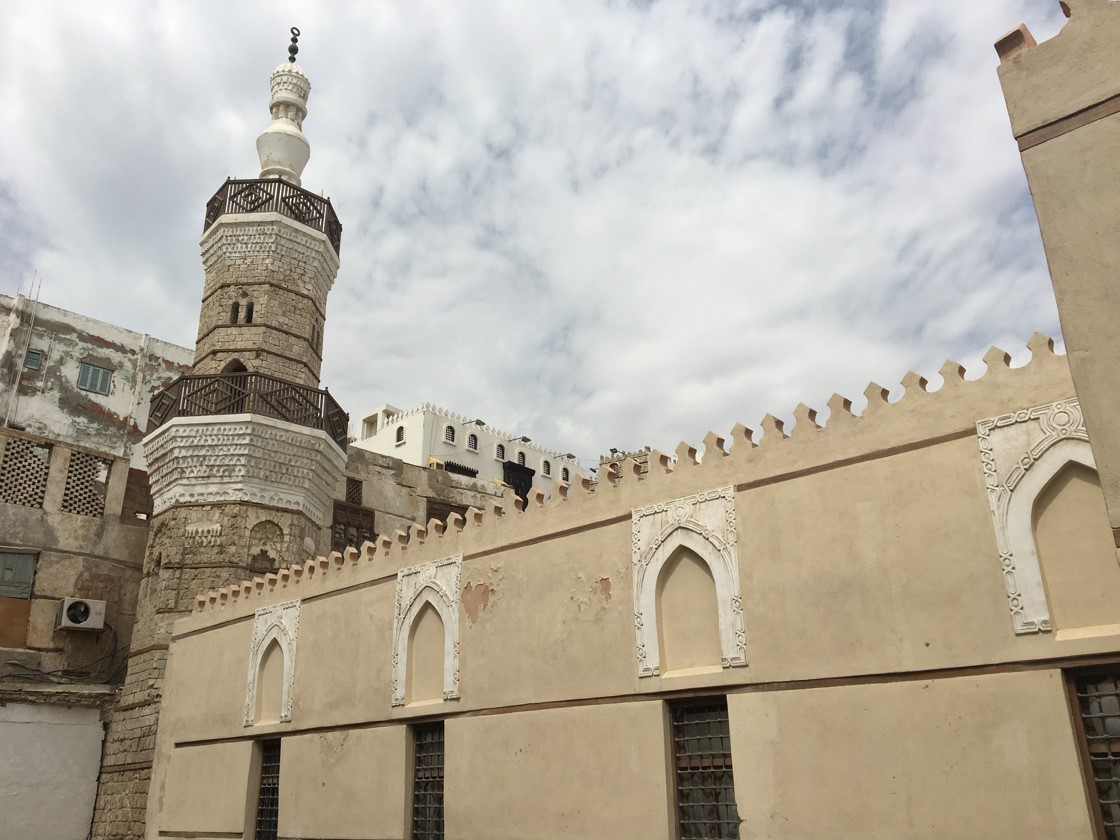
(872, 594)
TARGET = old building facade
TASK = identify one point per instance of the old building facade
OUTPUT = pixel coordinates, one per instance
(899, 624)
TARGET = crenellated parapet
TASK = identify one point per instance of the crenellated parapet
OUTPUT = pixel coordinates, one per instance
(743, 460)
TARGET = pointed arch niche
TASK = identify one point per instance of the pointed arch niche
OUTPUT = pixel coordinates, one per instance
(1037, 463)
(427, 602)
(685, 549)
(272, 659)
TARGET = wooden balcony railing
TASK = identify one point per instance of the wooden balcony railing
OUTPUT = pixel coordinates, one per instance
(273, 195)
(249, 393)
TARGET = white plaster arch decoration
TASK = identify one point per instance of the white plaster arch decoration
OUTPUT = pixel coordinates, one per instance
(280, 623)
(705, 524)
(1021, 452)
(435, 583)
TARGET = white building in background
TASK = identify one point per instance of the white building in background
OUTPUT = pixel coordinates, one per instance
(432, 436)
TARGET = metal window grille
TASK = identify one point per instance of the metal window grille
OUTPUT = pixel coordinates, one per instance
(33, 360)
(702, 765)
(400, 434)
(546, 468)
(449, 434)
(353, 491)
(564, 474)
(93, 378)
(1098, 699)
(521, 459)
(268, 794)
(500, 452)
(23, 472)
(427, 783)
(472, 442)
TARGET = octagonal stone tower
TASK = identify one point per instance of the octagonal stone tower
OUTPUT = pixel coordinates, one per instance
(243, 452)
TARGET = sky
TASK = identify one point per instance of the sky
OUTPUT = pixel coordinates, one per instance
(597, 224)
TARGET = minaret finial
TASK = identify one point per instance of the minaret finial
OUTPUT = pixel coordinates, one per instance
(293, 48)
(282, 147)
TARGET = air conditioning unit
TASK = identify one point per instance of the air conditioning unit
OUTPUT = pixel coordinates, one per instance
(80, 614)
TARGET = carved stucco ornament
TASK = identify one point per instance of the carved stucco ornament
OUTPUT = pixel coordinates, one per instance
(705, 524)
(435, 583)
(279, 622)
(1021, 452)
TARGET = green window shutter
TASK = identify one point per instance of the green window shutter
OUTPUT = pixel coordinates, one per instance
(17, 572)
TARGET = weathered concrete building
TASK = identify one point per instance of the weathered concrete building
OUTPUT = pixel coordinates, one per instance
(901, 624)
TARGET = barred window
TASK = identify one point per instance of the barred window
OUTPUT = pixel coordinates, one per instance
(565, 475)
(546, 468)
(1098, 700)
(500, 452)
(400, 434)
(702, 766)
(472, 442)
(94, 378)
(449, 434)
(268, 793)
(427, 782)
(520, 459)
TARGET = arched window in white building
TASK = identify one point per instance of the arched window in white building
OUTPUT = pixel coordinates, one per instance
(546, 468)
(472, 442)
(449, 434)
(400, 434)
(500, 452)
(521, 459)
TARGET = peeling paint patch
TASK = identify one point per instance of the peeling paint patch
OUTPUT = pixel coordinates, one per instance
(475, 599)
(605, 588)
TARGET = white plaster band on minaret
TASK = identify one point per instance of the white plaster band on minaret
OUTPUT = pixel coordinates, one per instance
(282, 148)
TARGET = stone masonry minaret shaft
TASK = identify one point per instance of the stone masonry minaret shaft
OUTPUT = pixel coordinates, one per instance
(264, 301)
(244, 452)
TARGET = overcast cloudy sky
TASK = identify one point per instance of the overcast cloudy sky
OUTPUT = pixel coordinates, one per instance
(596, 224)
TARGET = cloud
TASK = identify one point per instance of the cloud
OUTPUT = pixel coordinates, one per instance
(598, 224)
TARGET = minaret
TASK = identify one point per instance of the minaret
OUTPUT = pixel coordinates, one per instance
(244, 452)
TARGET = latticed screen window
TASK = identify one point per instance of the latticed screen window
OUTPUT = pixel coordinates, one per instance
(702, 765)
(268, 795)
(427, 783)
(353, 491)
(352, 525)
(94, 378)
(1098, 700)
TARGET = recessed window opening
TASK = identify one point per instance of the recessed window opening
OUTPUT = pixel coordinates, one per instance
(521, 459)
(565, 475)
(94, 378)
(268, 792)
(500, 452)
(472, 442)
(702, 768)
(249, 312)
(427, 782)
(1097, 698)
(546, 467)
(234, 312)
(400, 434)
(33, 360)
(449, 434)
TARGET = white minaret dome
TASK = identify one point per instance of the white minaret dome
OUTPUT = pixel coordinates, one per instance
(282, 148)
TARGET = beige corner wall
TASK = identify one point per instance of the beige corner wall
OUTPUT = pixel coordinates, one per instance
(206, 790)
(580, 773)
(345, 784)
(973, 758)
